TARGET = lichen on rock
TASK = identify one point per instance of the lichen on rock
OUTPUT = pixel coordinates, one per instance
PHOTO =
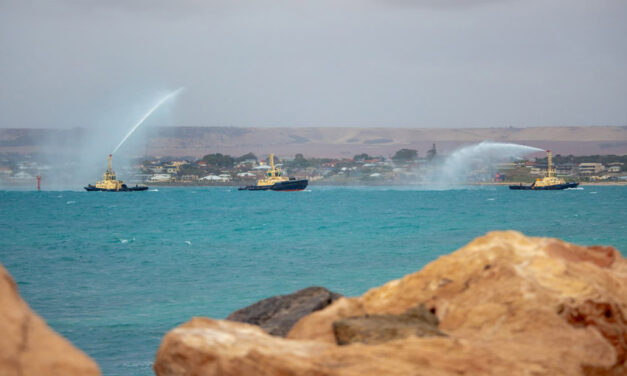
(372, 329)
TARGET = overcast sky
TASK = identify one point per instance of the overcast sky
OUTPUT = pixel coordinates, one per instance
(403, 63)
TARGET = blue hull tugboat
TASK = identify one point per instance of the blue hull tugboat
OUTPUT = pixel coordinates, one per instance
(123, 188)
(109, 183)
(548, 183)
(275, 181)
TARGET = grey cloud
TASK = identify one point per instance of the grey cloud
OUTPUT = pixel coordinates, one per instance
(443, 4)
(318, 63)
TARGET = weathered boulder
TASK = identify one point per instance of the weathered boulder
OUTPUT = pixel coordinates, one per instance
(28, 347)
(372, 329)
(508, 304)
(277, 315)
(204, 346)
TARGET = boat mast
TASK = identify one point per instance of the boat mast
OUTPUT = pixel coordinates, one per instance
(272, 168)
(109, 174)
(550, 170)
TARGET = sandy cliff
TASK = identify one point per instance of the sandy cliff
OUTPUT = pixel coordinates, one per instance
(505, 304)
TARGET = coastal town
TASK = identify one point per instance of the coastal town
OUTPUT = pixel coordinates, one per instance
(405, 166)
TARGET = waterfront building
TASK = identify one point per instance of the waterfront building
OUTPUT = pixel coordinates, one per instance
(588, 168)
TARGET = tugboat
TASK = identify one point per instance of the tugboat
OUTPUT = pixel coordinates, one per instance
(275, 181)
(110, 184)
(548, 183)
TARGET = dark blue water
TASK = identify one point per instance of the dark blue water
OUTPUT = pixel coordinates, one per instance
(114, 272)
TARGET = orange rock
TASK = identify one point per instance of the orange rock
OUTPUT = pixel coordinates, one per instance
(28, 347)
(610, 321)
(509, 304)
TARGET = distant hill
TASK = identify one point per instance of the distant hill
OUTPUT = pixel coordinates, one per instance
(333, 142)
(346, 142)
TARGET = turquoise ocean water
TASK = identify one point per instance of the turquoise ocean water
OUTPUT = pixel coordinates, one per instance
(114, 272)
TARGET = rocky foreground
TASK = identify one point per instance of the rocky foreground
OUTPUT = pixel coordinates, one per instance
(28, 347)
(505, 304)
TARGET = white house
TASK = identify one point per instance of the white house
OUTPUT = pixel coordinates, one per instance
(214, 178)
(161, 178)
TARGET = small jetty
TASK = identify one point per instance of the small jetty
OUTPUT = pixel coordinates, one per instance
(109, 183)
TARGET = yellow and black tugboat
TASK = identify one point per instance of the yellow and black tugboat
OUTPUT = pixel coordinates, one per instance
(275, 181)
(548, 183)
(110, 184)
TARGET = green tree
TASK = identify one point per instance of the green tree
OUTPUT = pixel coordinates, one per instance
(300, 161)
(191, 170)
(361, 157)
(219, 160)
(404, 155)
(246, 157)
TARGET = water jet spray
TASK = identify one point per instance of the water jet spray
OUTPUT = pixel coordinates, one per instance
(110, 183)
(153, 109)
(456, 166)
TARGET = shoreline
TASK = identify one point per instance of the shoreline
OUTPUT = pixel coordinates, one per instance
(317, 184)
(383, 184)
(612, 183)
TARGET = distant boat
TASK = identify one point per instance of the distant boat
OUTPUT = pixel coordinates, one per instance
(548, 183)
(109, 183)
(275, 181)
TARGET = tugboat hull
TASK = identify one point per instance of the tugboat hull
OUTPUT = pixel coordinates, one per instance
(286, 186)
(91, 188)
(556, 187)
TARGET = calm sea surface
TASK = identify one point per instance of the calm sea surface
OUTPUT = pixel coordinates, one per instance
(114, 272)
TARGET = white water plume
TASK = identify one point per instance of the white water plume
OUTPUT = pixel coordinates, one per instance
(457, 167)
(147, 114)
